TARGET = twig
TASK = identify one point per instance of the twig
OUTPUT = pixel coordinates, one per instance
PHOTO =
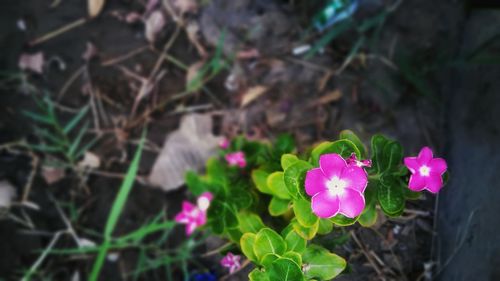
(113, 61)
(58, 32)
(70, 81)
(216, 251)
(367, 255)
(42, 257)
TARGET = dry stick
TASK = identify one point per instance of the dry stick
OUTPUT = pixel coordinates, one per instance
(42, 257)
(34, 166)
(216, 251)
(70, 81)
(58, 32)
(367, 255)
(124, 57)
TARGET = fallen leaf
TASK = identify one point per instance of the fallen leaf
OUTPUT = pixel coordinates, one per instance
(95, 7)
(154, 24)
(186, 149)
(252, 94)
(329, 97)
(33, 62)
(7, 193)
(52, 174)
(90, 160)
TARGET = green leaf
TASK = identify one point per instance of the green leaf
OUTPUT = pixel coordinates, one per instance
(342, 147)
(250, 222)
(268, 259)
(246, 244)
(76, 119)
(234, 234)
(390, 196)
(325, 226)
(369, 216)
(342, 220)
(320, 263)
(259, 178)
(221, 216)
(76, 142)
(267, 241)
(276, 184)
(284, 144)
(392, 156)
(287, 160)
(295, 242)
(294, 256)
(216, 173)
(257, 275)
(240, 195)
(307, 233)
(303, 212)
(284, 269)
(350, 135)
(195, 184)
(295, 176)
(278, 207)
(411, 195)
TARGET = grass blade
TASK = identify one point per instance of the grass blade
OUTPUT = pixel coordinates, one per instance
(39, 118)
(71, 124)
(77, 140)
(335, 32)
(117, 209)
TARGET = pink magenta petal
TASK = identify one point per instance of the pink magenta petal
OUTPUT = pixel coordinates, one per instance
(438, 166)
(315, 181)
(425, 155)
(434, 183)
(332, 165)
(352, 203)
(412, 164)
(356, 178)
(190, 227)
(325, 205)
(187, 206)
(417, 182)
(181, 218)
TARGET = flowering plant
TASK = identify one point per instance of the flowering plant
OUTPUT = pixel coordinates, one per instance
(271, 202)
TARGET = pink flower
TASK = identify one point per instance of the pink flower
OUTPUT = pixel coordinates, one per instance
(353, 160)
(236, 159)
(336, 187)
(231, 261)
(194, 216)
(224, 143)
(426, 171)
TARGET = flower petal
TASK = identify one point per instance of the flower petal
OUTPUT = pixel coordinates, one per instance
(332, 165)
(181, 218)
(187, 206)
(356, 178)
(425, 155)
(412, 164)
(417, 182)
(190, 227)
(438, 166)
(352, 203)
(315, 181)
(434, 183)
(325, 205)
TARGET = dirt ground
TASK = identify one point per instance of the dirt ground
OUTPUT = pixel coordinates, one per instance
(392, 85)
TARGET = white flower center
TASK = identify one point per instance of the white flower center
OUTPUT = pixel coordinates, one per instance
(336, 186)
(424, 171)
(203, 203)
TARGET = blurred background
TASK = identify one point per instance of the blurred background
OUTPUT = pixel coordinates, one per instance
(80, 80)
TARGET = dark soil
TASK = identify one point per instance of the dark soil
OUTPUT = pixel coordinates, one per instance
(402, 99)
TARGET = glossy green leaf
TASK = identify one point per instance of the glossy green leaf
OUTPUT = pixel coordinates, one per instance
(267, 241)
(246, 244)
(221, 216)
(350, 135)
(295, 176)
(392, 156)
(295, 242)
(325, 226)
(303, 212)
(268, 259)
(342, 147)
(369, 215)
(342, 220)
(284, 269)
(250, 222)
(294, 256)
(320, 263)
(390, 196)
(259, 178)
(234, 234)
(287, 160)
(378, 143)
(276, 184)
(307, 233)
(284, 144)
(278, 207)
(195, 184)
(257, 275)
(216, 172)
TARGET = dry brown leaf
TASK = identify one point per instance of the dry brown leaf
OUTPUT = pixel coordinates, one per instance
(154, 24)
(33, 62)
(186, 149)
(329, 97)
(7, 194)
(252, 94)
(52, 174)
(95, 7)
